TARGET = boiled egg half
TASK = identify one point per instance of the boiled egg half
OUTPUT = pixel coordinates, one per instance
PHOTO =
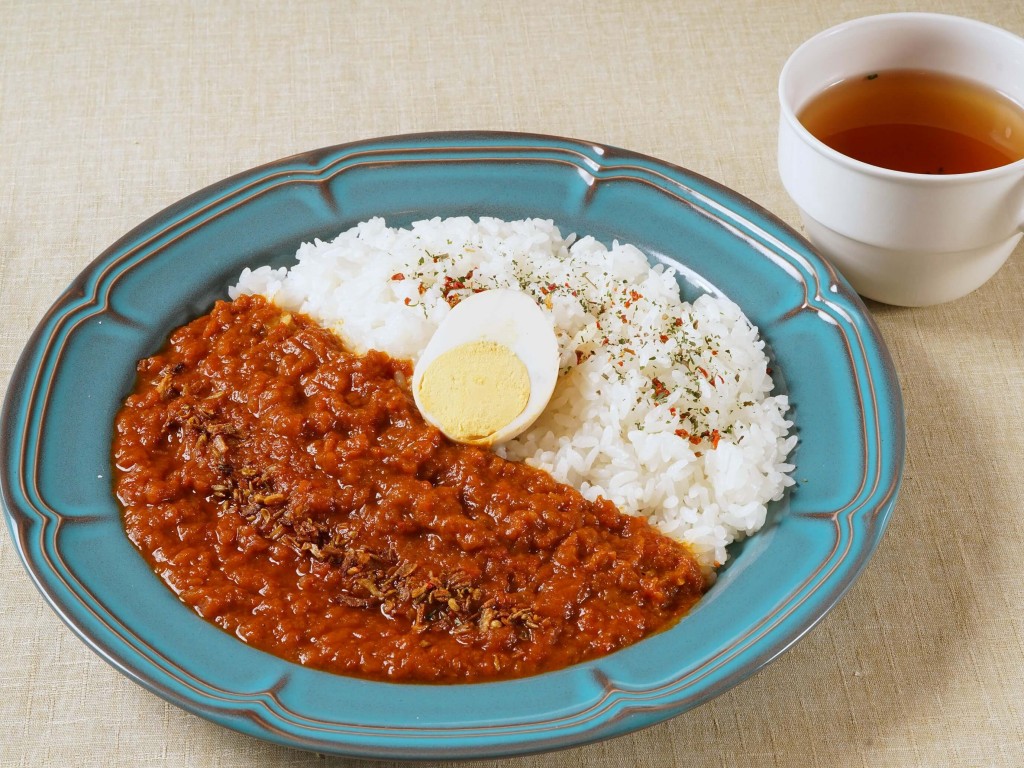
(489, 369)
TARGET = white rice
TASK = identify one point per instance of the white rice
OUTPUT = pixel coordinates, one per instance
(662, 407)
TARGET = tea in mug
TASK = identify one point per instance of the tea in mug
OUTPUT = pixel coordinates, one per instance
(918, 122)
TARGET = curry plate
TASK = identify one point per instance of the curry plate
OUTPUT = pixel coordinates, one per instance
(827, 355)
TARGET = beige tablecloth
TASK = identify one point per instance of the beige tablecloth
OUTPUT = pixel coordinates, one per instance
(111, 111)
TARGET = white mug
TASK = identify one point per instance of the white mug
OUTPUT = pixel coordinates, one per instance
(903, 238)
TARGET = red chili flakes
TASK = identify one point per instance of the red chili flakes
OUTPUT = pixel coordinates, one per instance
(408, 301)
(451, 284)
(663, 338)
(660, 390)
(398, 276)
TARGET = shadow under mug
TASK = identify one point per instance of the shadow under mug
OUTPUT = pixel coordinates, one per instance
(903, 238)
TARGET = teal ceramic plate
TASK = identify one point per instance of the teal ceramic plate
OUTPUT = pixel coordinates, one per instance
(79, 364)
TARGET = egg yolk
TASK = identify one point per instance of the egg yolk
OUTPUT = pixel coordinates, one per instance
(474, 389)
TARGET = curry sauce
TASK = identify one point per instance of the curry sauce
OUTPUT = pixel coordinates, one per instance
(290, 492)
